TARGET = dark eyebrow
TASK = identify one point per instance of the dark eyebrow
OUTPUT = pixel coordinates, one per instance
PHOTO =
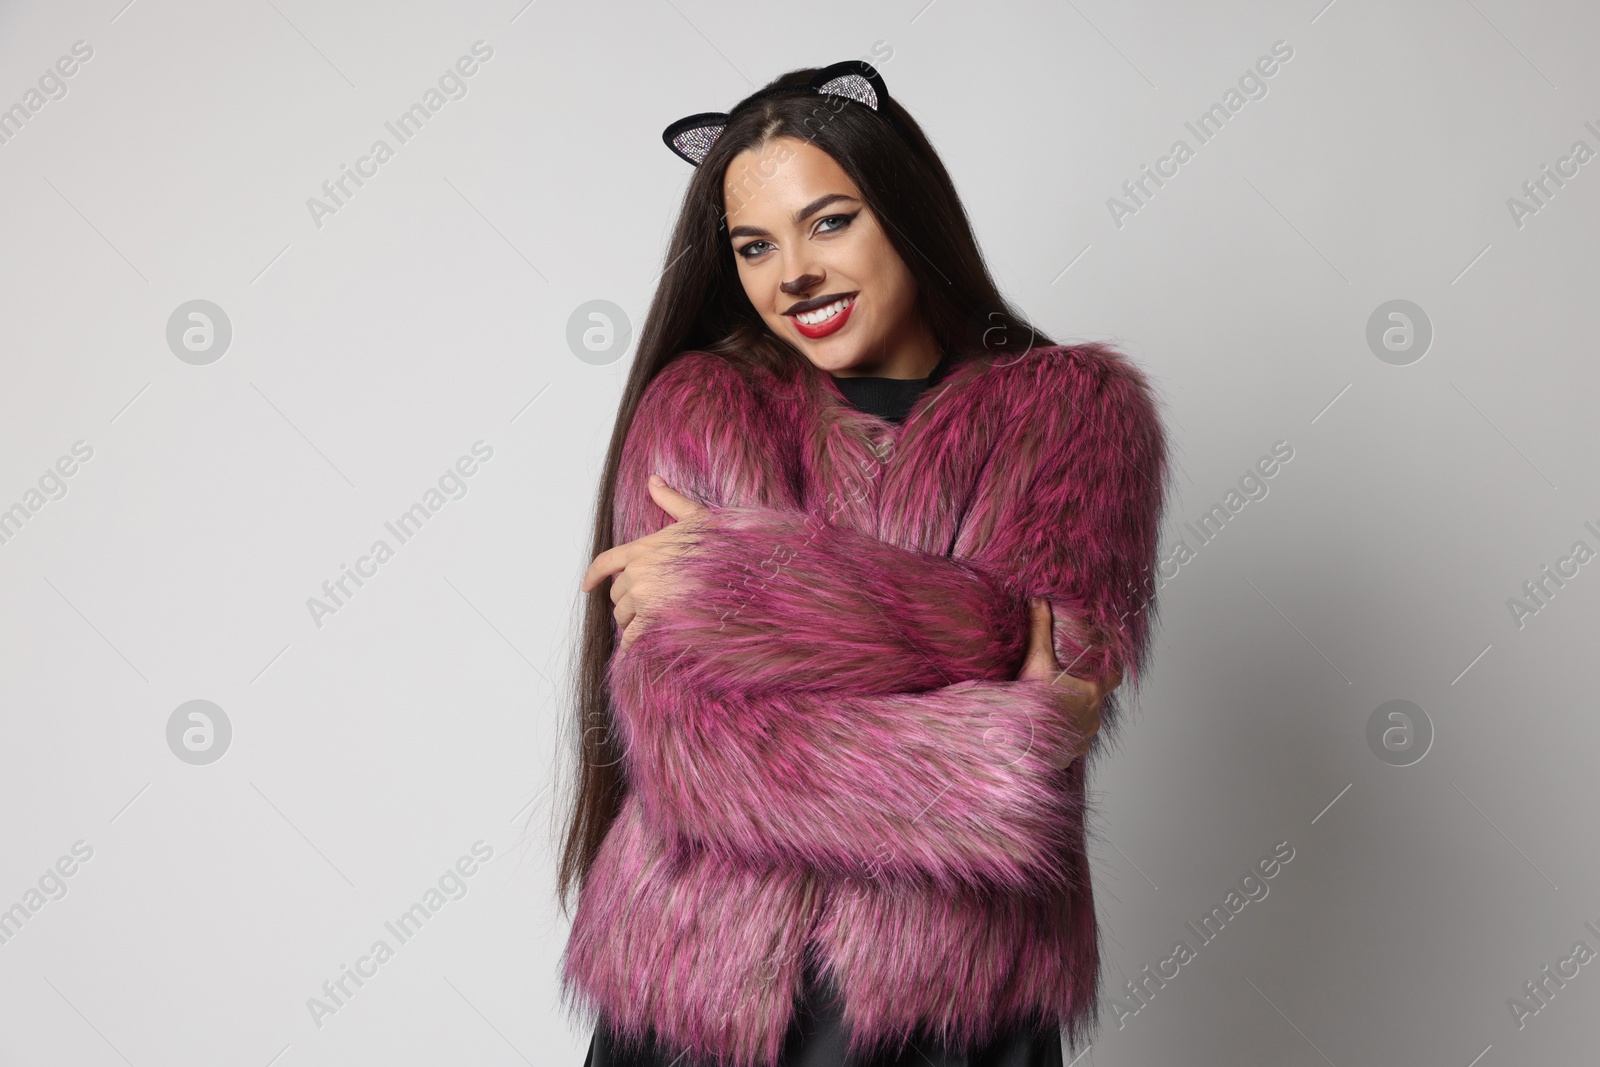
(799, 216)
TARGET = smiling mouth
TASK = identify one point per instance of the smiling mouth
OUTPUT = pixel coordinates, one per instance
(825, 319)
(819, 303)
(822, 310)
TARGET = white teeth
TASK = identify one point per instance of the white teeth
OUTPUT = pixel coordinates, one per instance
(811, 318)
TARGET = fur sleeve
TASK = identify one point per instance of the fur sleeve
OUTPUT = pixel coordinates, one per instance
(773, 600)
(1087, 473)
(957, 786)
(783, 598)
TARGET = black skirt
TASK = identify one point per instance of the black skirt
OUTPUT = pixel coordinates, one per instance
(817, 1038)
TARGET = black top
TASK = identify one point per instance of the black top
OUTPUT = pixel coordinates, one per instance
(817, 1035)
(888, 398)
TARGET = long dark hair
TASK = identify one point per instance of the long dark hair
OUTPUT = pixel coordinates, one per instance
(700, 305)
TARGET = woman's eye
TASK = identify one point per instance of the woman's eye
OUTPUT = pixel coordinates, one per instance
(827, 224)
(842, 220)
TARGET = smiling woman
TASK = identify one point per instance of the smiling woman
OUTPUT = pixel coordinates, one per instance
(840, 264)
(844, 658)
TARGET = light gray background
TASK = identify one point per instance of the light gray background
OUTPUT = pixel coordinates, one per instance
(431, 311)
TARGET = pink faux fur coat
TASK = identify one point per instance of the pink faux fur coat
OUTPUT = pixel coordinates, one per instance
(826, 747)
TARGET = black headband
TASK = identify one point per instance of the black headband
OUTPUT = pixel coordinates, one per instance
(691, 138)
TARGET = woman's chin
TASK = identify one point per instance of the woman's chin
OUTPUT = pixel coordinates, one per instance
(844, 362)
(829, 354)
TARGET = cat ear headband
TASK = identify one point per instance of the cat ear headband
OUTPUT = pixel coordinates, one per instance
(691, 138)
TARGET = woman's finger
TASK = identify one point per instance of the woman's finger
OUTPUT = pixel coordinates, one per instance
(1102, 686)
(625, 615)
(628, 634)
(620, 585)
(605, 564)
(671, 501)
(1041, 660)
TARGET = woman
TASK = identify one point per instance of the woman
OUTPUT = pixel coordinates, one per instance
(830, 805)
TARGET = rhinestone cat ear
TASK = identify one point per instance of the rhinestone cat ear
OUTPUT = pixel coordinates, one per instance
(854, 85)
(691, 138)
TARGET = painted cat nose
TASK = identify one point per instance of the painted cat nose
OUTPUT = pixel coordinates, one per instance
(800, 284)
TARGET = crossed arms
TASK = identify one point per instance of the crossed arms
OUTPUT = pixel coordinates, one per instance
(810, 695)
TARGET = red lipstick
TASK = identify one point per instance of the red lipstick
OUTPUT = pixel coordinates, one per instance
(827, 326)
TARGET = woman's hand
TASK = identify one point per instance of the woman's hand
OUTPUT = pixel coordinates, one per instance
(638, 566)
(1079, 698)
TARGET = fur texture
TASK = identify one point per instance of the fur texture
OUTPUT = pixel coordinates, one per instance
(827, 749)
